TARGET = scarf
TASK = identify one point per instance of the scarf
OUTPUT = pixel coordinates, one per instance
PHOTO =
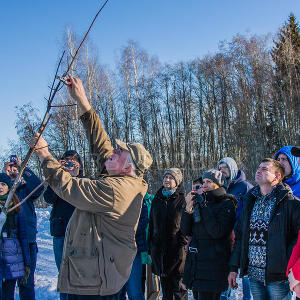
(2, 201)
(168, 193)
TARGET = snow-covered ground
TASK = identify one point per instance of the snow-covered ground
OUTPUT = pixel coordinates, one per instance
(46, 272)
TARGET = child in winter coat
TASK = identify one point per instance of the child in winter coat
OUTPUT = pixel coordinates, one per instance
(14, 251)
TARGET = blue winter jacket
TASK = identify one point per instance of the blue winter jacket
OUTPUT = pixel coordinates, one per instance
(14, 249)
(141, 236)
(237, 184)
(294, 180)
(238, 188)
(29, 182)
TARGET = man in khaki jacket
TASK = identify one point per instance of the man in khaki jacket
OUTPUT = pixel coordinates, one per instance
(99, 245)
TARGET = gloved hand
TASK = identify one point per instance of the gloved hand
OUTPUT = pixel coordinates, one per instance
(201, 200)
(24, 279)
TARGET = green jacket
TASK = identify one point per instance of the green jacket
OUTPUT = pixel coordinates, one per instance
(146, 260)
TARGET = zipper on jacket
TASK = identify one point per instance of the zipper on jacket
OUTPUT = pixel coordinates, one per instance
(281, 199)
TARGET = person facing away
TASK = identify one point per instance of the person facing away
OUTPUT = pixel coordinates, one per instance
(209, 219)
(61, 210)
(266, 233)
(167, 245)
(99, 245)
(238, 186)
(291, 168)
(14, 248)
(27, 184)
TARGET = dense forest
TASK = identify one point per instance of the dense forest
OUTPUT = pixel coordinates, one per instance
(242, 101)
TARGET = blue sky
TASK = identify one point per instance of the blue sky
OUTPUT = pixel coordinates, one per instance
(32, 31)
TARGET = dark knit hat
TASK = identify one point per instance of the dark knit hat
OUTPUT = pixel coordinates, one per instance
(216, 176)
(6, 179)
(175, 173)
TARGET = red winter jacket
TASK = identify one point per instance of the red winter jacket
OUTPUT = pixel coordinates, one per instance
(294, 262)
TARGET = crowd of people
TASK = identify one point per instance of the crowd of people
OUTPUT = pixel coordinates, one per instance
(112, 238)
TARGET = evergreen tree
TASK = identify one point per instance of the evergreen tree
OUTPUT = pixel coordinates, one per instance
(283, 111)
(287, 43)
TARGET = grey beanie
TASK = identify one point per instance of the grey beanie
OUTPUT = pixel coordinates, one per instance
(176, 173)
(214, 175)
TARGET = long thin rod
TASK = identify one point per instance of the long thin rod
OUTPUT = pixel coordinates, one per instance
(73, 59)
(46, 118)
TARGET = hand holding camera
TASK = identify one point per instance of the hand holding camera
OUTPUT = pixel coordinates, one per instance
(15, 160)
(189, 202)
(11, 167)
(199, 202)
(71, 166)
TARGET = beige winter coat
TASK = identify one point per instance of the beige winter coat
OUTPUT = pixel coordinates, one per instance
(100, 244)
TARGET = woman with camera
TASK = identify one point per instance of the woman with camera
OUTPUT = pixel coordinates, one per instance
(167, 245)
(209, 219)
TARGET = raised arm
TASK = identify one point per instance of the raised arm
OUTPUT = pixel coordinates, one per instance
(100, 145)
(83, 193)
(99, 142)
(89, 195)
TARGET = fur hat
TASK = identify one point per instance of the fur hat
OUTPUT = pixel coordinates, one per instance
(175, 173)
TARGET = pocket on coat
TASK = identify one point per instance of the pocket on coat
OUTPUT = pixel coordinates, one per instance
(84, 271)
(12, 252)
(112, 275)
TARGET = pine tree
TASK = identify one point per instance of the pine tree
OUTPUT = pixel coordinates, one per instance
(284, 113)
(288, 42)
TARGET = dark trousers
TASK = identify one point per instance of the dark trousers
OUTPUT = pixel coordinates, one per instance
(93, 297)
(26, 291)
(8, 289)
(58, 246)
(206, 295)
(143, 278)
(133, 286)
(172, 288)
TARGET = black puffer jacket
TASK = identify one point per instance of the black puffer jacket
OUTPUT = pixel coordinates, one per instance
(282, 234)
(206, 267)
(167, 245)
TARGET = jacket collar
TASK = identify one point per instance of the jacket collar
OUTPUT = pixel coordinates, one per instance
(216, 194)
(279, 191)
(179, 191)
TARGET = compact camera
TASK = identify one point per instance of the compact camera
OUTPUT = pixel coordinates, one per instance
(13, 159)
(69, 164)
